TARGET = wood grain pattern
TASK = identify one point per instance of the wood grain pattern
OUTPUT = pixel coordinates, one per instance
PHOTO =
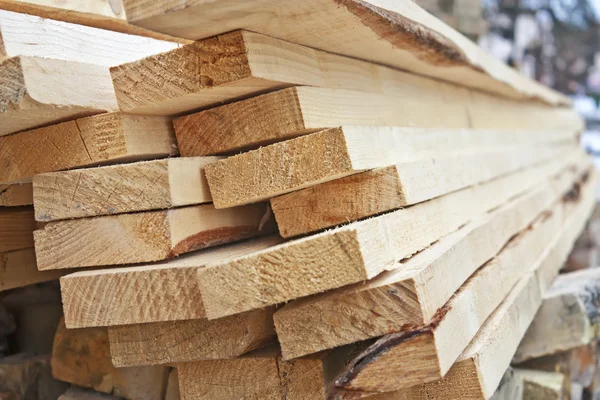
(190, 340)
(19, 194)
(32, 36)
(146, 236)
(159, 292)
(380, 190)
(411, 293)
(389, 32)
(338, 152)
(142, 186)
(410, 101)
(16, 228)
(40, 91)
(349, 254)
(18, 268)
(104, 138)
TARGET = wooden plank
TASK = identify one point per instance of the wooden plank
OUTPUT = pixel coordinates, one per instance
(18, 269)
(146, 236)
(19, 194)
(349, 254)
(353, 198)
(142, 186)
(16, 228)
(411, 293)
(395, 33)
(40, 91)
(32, 36)
(104, 138)
(154, 293)
(338, 152)
(82, 357)
(298, 111)
(478, 371)
(190, 340)
(567, 317)
(104, 14)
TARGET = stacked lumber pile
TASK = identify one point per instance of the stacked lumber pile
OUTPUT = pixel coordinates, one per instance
(280, 209)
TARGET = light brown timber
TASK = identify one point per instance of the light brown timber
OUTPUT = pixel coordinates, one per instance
(117, 189)
(389, 32)
(40, 91)
(338, 152)
(145, 236)
(19, 194)
(104, 138)
(18, 269)
(191, 340)
(16, 228)
(298, 111)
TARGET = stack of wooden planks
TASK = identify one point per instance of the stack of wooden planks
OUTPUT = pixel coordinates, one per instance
(326, 199)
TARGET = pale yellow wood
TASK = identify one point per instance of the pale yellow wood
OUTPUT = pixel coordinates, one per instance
(153, 293)
(410, 102)
(349, 254)
(376, 191)
(191, 340)
(338, 152)
(18, 269)
(567, 317)
(104, 14)
(18, 194)
(16, 228)
(412, 292)
(103, 138)
(39, 91)
(122, 188)
(32, 36)
(529, 384)
(145, 236)
(392, 32)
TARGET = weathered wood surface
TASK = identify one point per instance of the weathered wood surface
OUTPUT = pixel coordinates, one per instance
(32, 36)
(145, 236)
(39, 91)
(568, 316)
(26, 376)
(16, 228)
(338, 152)
(19, 194)
(82, 357)
(411, 293)
(158, 292)
(104, 138)
(410, 102)
(529, 384)
(18, 268)
(352, 253)
(104, 14)
(190, 340)
(395, 33)
(380, 190)
(118, 189)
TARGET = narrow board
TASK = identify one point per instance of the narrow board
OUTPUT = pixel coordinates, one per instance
(19, 194)
(349, 254)
(145, 236)
(360, 378)
(154, 293)
(142, 186)
(32, 36)
(16, 228)
(395, 33)
(410, 101)
(39, 91)
(103, 138)
(411, 293)
(18, 269)
(191, 340)
(567, 317)
(104, 14)
(380, 190)
(338, 152)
